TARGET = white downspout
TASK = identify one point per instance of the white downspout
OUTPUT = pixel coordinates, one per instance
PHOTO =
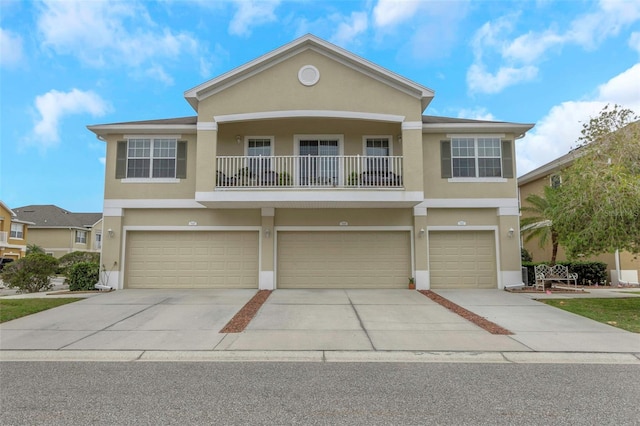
(618, 271)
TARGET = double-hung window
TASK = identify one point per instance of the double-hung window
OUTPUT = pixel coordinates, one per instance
(259, 147)
(377, 150)
(476, 157)
(151, 158)
(81, 237)
(17, 231)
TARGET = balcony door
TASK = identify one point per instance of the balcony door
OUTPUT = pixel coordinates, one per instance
(319, 162)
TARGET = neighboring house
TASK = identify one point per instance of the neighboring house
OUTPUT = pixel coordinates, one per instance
(549, 175)
(59, 231)
(13, 234)
(311, 167)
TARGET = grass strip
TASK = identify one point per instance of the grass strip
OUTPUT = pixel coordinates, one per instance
(11, 309)
(243, 317)
(623, 313)
(481, 322)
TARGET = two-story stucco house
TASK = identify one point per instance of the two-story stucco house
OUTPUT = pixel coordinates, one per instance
(58, 231)
(13, 234)
(311, 167)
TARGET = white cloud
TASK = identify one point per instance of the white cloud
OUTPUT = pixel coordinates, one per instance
(110, 33)
(634, 41)
(559, 130)
(517, 56)
(102, 160)
(11, 48)
(54, 105)
(350, 28)
(388, 13)
(479, 113)
(250, 14)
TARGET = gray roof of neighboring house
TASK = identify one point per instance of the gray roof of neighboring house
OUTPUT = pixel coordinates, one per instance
(51, 216)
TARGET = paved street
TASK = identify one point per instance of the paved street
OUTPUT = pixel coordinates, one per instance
(152, 393)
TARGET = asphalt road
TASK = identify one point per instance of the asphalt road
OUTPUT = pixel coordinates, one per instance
(140, 393)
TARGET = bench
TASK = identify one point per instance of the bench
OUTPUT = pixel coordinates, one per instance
(552, 274)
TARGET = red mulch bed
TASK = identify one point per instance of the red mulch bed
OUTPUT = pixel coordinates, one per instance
(241, 320)
(481, 322)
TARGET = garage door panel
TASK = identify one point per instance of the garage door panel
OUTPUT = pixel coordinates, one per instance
(167, 259)
(352, 259)
(462, 259)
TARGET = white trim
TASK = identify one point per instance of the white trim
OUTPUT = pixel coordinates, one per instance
(263, 115)
(419, 211)
(266, 280)
(277, 229)
(496, 237)
(108, 129)
(477, 180)
(411, 125)
(469, 203)
(152, 203)
(150, 180)
(508, 211)
(516, 128)
(206, 125)
(511, 279)
(149, 136)
(475, 135)
(128, 228)
(112, 212)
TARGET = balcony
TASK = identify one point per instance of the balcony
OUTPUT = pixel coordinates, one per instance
(308, 172)
(308, 181)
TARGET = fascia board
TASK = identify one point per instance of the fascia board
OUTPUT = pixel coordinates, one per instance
(107, 129)
(517, 128)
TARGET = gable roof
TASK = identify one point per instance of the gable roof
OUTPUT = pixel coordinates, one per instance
(318, 45)
(52, 216)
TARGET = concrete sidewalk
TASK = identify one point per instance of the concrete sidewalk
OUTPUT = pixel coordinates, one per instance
(359, 324)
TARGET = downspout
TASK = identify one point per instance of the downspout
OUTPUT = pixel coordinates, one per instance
(618, 271)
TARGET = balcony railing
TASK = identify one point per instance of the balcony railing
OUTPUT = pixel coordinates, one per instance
(308, 171)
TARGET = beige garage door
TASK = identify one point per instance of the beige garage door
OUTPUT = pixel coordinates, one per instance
(462, 259)
(343, 259)
(191, 259)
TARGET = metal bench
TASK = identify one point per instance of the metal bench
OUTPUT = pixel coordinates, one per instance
(554, 274)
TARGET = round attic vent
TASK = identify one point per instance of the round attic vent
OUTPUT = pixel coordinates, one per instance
(308, 75)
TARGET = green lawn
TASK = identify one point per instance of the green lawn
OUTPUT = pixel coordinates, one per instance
(621, 313)
(15, 308)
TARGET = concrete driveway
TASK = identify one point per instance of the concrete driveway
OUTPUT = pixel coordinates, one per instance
(307, 320)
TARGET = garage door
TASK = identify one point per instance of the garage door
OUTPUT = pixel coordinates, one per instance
(462, 259)
(191, 259)
(343, 259)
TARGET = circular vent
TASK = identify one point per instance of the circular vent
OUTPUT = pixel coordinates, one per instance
(308, 75)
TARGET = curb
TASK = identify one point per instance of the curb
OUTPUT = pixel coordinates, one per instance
(321, 356)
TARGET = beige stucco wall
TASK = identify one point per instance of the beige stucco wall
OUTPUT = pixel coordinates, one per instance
(339, 88)
(437, 187)
(354, 217)
(182, 217)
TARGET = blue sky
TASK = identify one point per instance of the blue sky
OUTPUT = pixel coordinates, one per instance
(67, 64)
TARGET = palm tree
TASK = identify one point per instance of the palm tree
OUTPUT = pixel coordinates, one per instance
(538, 224)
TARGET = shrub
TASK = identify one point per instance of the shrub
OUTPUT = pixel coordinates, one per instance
(34, 249)
(70, 259)
(83, 276)
(525, 255)
(31, 273)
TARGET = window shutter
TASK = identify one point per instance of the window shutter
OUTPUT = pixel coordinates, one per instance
(121, 160)
(445, 159)
(181, 160)
(507, 160)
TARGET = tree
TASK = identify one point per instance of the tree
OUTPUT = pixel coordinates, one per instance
(539, 224)
(599, 211)
(34, 249)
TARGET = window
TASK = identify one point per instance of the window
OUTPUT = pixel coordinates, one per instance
(556, 181)
(151, 158)
(476, 157)
(17, 231)
(81, 237)
(98, 241)
(259, 147)
(380, 149)
(319, 160)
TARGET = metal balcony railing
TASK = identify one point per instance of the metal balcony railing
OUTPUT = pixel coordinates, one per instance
(308, 171)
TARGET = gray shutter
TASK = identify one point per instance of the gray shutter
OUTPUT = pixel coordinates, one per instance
(445, 159)
(507, 160)
(181, 160)
(121, 160)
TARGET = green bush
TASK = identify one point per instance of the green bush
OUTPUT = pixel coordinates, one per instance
(589, 273)
(525, 255)
(31, 273)
(83, 276)
(70, 259)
